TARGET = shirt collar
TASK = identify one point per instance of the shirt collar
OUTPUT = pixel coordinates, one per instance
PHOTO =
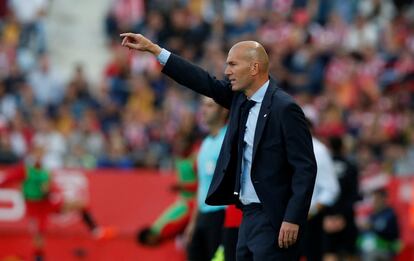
(260, 93)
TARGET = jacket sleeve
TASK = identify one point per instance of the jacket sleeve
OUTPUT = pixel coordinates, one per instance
(301, 158)
(198, 80)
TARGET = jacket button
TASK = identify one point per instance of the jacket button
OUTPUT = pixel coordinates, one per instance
(256, 181)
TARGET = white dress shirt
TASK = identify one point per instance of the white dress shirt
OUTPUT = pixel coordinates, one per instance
(326, 188)
(247, 192)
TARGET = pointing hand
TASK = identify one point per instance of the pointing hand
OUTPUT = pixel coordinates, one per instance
(140, 43)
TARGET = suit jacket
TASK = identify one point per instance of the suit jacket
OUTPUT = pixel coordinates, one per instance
(283, 164)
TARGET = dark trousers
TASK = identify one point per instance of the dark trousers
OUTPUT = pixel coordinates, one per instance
(207, 236)
(230, 237)
(258, 239)
(313, 241)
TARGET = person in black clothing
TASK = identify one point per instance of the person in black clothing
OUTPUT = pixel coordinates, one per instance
(340, 231)
(379, 238)
(266, 164)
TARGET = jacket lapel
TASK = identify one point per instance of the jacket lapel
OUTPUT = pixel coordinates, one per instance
(263, 115)
(234, 120)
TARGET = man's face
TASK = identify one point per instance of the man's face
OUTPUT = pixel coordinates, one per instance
(378, 200)
(238, 69)
(210, 111)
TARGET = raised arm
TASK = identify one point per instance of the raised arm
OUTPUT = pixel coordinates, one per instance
(182, 71)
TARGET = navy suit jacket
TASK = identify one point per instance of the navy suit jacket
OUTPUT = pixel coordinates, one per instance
(283, 166)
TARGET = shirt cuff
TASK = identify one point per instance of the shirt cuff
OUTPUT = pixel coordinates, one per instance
(163, 56)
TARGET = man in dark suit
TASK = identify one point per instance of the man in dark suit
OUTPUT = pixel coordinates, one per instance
(266, 164)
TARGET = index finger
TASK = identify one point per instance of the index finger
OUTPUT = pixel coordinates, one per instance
(128, 35)
(281, 237)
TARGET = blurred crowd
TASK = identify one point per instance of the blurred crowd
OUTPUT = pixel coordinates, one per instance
(350, 64)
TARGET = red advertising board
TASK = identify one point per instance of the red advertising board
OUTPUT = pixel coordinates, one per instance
(128, 200)
(124, 200)
(401, 195)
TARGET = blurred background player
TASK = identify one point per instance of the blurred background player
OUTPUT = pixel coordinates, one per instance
(204, 233)
(324, 195)
(379, 238)
(340, 231)
(175, 218)
(44, 198)
(232, 221)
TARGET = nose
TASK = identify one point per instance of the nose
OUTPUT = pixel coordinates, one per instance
(227, 71)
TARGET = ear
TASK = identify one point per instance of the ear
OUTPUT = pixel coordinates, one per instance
(254, 68)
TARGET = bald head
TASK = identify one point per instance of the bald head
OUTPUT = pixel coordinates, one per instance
(254, 52)
(247, 67)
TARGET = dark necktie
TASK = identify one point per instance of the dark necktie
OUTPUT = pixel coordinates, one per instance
(244, 114)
